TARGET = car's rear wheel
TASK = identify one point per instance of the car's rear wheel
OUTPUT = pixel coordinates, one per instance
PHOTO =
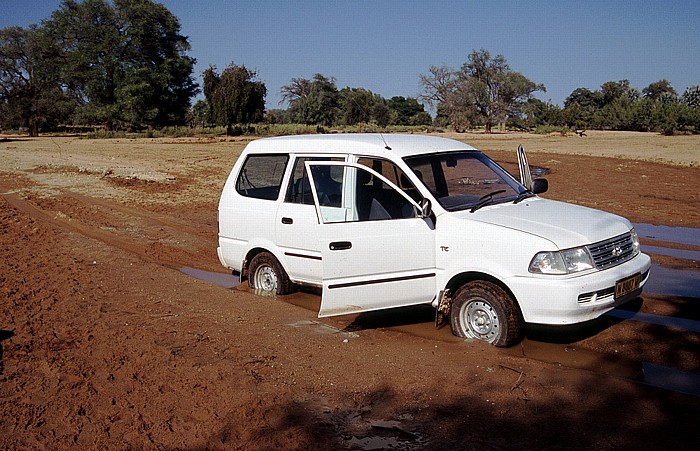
(266, 274)
(484, 311)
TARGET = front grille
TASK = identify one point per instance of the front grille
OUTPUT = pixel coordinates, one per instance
(612, 252)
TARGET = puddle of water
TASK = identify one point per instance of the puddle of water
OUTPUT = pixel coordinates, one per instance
(671, 379)
(224, 280)
(670, 252)
(690, 325)
(571, 356)
(673, 282)
(387, 435)
(681, 235)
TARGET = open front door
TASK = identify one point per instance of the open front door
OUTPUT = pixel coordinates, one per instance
(524, 166)
(378, 251)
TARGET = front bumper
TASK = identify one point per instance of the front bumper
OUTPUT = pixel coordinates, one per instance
(569, 300)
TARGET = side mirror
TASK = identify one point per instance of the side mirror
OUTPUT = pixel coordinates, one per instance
(426, 209)
(540, 186)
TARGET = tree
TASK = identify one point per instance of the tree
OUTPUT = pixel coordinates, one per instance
(381, 111)
(312, 102)
(235, 96)
(31, 94)
(485, 89)
(659, 89)
(539, 113)
(691, 96)
(126, 62)
(584, 98)
(443, 89)
(613, 90)
(199, 114)
(356, 105)
(408, 111)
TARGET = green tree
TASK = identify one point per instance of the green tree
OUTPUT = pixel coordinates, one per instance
(356, 106)
(126, 61)
(381, 112)
(31, 94)
(409, 111)
(584, 98)
(613, 90)
(539, 113)
(235, 96)
(312, 102)
(199, 114)
(658, 90)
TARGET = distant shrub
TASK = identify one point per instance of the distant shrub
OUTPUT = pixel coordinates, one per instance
(263, 129)
(547, 129)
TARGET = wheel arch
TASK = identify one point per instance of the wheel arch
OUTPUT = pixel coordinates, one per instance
(458, 280)
(249, 257)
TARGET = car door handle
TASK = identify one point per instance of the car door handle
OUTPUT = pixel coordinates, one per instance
(340, 245)
(286, 220)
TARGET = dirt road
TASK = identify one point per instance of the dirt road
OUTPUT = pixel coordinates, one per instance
(105, 342)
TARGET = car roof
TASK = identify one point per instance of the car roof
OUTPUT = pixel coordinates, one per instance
(396, 145)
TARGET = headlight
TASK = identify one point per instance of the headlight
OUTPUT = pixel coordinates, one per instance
(635, 241)
(561, 262)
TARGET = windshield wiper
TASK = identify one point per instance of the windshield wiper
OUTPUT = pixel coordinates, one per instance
(524, 195)
(485, 200)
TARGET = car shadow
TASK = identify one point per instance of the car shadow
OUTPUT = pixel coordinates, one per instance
(400, 316)
(422, 314)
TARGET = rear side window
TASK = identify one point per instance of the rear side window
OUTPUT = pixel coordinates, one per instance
(261, 176)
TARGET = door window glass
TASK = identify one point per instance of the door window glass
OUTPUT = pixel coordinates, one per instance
(299, 190)
(348, 194)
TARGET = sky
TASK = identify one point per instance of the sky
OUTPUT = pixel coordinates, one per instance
(385, 45)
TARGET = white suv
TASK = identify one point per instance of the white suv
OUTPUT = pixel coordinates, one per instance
(382, 221)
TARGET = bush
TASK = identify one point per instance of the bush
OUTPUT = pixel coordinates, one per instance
(547, 129)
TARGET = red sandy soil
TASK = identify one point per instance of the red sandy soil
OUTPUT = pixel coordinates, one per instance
(104, 343)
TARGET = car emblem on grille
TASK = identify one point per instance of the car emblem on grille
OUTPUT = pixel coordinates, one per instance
(617, 251)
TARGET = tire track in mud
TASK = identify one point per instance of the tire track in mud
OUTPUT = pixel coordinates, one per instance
(138, 240)
(150, 218)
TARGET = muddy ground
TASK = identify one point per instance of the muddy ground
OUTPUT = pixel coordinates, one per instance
(105, 342)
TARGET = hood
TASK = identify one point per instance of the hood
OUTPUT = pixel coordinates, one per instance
(565, 225)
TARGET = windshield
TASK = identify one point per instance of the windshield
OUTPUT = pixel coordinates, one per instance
(464, 180)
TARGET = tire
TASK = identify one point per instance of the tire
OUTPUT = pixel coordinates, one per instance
(266, 274)
(484, 311)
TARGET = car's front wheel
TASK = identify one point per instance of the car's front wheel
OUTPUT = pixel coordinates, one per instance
(484, 311)
(266, 274)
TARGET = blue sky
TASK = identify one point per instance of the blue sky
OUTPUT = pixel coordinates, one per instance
(384, 45)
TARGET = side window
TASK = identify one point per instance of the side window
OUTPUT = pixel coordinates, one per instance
(261, 176)
(299, 189)
(394, 174)
(349, 194)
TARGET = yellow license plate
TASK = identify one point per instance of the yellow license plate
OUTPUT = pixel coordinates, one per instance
(626, 286)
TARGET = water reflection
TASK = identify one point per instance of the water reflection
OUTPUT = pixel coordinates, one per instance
(690, 325)
(671, 379)
(681, 235)
(221, 279)
(670, 252)
(673, 282)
